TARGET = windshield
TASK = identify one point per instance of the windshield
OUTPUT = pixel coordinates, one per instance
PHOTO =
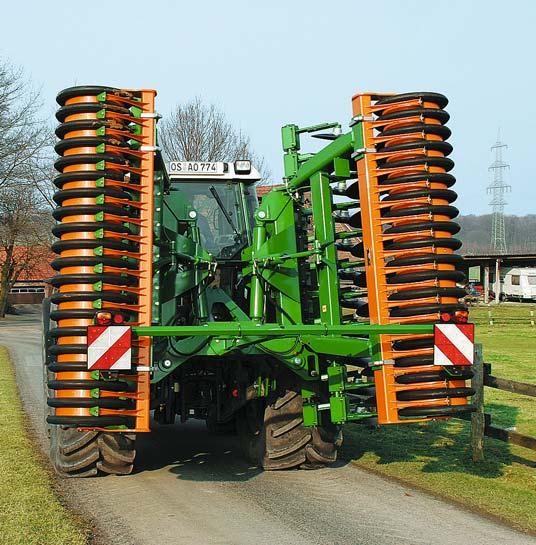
(219, 217)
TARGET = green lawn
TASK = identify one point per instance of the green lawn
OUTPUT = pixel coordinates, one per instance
(436, 456)
(30, 512)
(510, 343)
(510, 346)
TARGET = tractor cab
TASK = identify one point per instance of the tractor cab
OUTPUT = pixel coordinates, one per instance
(224, 198)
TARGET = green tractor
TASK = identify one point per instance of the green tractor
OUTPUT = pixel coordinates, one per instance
(179, 296)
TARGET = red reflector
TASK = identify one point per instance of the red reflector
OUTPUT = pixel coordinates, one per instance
(118, 318)
(234, 392)
(109, 347)
(461, 316)
(103, 318)
(454, 344)
(446, 317)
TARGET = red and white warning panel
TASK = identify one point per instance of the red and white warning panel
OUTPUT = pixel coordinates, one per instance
(454, 344)
(109, 348)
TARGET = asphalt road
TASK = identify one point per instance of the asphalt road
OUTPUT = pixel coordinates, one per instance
(193, 488)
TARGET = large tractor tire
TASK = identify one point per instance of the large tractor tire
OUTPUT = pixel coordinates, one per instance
(89, 453)
(82, 453)
(273, 435)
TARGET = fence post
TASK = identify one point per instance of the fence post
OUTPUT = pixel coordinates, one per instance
(490, 318)
(478, 422)
(532, 318)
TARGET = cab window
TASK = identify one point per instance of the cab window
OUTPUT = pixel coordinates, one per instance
(222, 228)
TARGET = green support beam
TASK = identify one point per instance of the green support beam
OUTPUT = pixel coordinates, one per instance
(339, 147)
(240, 329)
(324, 229)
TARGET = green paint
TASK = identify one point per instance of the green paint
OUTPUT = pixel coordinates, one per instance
(251, 290)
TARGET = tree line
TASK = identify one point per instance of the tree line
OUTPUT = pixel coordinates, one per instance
(476, 232)
(194, 131)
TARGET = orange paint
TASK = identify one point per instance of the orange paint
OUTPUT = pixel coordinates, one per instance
(379, 162)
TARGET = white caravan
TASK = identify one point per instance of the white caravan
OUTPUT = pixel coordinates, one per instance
(519, 285)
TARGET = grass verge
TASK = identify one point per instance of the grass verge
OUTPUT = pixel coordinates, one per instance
(436, 456)
(30, 512)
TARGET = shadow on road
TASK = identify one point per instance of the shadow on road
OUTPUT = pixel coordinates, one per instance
(192, 453)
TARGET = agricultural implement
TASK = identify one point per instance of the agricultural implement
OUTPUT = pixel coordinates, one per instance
(178, 295)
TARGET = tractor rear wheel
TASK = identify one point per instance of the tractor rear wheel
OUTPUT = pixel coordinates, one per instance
(88, 453)
(82, 453)
(275, 438)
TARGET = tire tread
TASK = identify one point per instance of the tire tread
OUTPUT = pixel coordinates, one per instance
(89, 453)
(289, 444)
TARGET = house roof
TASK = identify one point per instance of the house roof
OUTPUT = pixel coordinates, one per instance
(38, 258)
(264, 189)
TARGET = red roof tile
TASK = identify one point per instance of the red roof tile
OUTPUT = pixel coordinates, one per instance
(39, 258)
(264, 189)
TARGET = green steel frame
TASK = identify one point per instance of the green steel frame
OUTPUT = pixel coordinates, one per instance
(270, 263)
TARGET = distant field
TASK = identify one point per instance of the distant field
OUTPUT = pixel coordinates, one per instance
(436, 456)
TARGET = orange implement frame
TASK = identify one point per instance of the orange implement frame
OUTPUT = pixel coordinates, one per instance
(369, 195)
(378, 255)
(146, 255)
(144, 272)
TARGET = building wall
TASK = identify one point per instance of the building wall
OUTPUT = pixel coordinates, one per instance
(27, 293)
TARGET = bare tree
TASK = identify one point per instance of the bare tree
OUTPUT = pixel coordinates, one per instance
(25, 139)
(24, 235)
(196, 131)
(25, 172)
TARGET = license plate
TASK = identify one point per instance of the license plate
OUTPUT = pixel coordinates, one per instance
(195, 168)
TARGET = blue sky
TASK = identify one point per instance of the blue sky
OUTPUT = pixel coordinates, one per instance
(271, 63)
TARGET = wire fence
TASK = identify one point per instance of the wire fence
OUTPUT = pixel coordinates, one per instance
(494, 318)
